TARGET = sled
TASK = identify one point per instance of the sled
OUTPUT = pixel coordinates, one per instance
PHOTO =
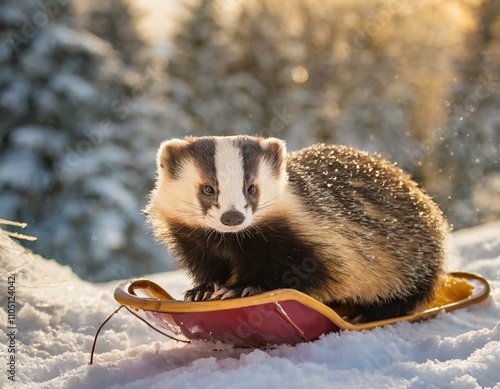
(278, 316)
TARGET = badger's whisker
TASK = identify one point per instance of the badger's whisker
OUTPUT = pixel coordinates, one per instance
(194, 206)
(222, 236)
(259, 231)
(238, 240)
(212, 231)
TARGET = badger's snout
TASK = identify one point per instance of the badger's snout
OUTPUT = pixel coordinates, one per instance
(232, 218)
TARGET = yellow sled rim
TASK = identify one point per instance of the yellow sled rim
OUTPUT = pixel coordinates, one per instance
(156, 299)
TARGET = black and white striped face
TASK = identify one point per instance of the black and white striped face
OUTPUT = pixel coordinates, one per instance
(222, 183)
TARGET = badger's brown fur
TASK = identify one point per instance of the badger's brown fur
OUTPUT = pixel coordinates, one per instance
(342, 225)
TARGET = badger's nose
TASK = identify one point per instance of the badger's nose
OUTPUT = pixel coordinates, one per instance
(232, 218)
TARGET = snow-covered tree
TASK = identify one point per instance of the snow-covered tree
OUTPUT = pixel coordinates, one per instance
(198, 89)
(261, 62)
(67, 161)
(470, 152)
(114, 22)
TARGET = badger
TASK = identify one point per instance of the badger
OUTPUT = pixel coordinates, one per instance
(341, 225)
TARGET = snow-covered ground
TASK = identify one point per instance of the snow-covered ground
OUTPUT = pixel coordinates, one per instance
(57, 315)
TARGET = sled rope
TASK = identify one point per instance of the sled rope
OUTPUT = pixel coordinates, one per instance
(140, 318)
(97, 334)
(154, 328)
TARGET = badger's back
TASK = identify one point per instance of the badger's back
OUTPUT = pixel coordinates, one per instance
(392, 235)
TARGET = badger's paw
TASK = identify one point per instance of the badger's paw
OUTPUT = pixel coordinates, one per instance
(202, 292)
(225, 293)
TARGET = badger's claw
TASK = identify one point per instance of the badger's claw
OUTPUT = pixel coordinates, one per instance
(251, 290)
(225, 293)
(201, 292)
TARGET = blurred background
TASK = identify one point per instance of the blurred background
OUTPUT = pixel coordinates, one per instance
(89, 89)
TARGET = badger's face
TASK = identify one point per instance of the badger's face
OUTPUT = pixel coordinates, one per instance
(221, 183)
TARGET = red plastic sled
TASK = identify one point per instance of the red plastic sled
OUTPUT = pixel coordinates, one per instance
(275, 317)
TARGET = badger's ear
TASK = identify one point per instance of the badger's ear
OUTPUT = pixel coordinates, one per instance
(274, 151)
(170, 157)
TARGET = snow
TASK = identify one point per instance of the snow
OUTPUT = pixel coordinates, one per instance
(58, 314)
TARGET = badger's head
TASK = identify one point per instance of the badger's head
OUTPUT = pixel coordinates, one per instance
(220, 183)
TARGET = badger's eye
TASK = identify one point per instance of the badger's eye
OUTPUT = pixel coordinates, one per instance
(251, 189)
(208, 190)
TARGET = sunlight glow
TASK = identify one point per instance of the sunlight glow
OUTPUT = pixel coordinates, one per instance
(300, 74)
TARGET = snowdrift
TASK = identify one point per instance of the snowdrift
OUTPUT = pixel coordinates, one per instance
(57, 314)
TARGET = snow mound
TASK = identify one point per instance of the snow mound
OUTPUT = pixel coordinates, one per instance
(57, 315)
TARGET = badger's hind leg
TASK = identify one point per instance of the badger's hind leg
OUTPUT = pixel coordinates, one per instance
(393, 308)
